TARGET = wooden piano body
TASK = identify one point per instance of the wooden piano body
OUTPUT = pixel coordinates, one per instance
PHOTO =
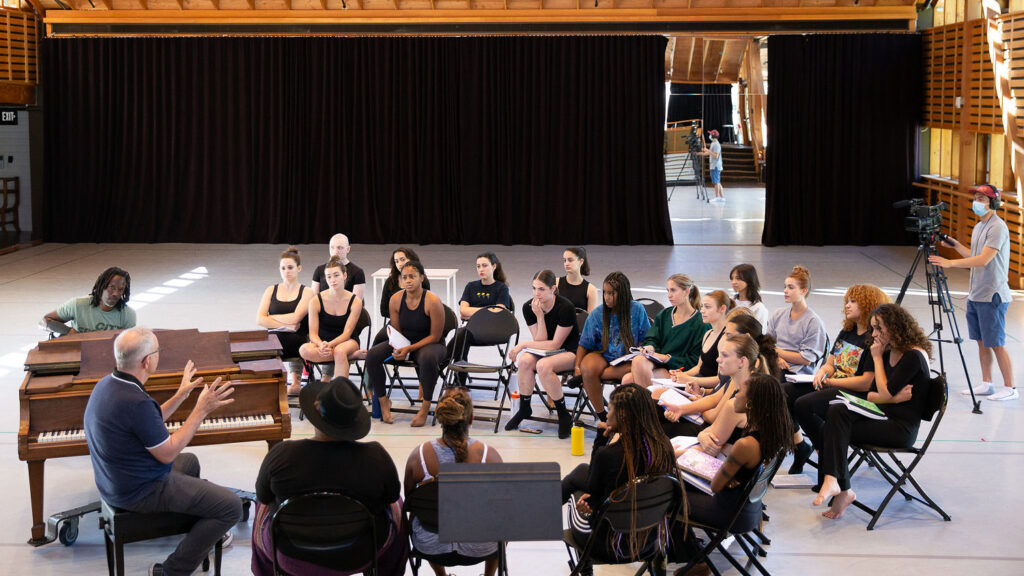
(63, 371)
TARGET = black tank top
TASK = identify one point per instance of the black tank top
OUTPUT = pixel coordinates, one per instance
(709, 359)
(279, 307)
(744, 474)
(332, 326)
(415, 324)
(575, 294)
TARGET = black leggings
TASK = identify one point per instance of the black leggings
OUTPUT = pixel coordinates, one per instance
(795, 390)
(428, 359)
(843, 427)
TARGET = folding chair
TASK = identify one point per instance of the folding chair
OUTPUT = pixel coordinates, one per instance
(471, 380)
(657, 502)
(753, 492)
(451, 322)
(897, 474)
(491, 326)
(327, 529)
(652, 307)
(422, 504)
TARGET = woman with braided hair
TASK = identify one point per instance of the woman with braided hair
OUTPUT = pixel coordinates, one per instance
(769, 431)
(631, 445)
(455, 413)
(614, 327)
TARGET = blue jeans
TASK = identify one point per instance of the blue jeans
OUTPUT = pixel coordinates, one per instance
(183, 491)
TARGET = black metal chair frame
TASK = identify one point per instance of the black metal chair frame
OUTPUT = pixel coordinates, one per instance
(492, 326)
(658, 501)
(651, 306)
(122, 527)
(898, 474)
(422, 503)
(451, 322)
(359, 520)
(754, 491)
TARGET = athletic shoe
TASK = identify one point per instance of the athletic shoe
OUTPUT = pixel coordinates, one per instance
(226, 541)
(1004, 394)
(983, 389)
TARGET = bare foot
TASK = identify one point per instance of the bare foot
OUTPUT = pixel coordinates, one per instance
(829, 488)
(420, 418)
(385, 410)
(840, 504)
(294, 389)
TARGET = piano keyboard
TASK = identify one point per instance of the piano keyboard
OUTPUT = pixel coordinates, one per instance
(78, 435)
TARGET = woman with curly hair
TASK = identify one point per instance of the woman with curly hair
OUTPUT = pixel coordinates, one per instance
(455, 413)
(617, 325)
(631, 446)
(767, 433)
(901, 349)
(849, 367)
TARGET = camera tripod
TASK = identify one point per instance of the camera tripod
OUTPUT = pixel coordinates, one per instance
(696, 161)
(941, 305)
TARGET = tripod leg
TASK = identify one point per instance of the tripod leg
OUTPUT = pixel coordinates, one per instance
(937, 277)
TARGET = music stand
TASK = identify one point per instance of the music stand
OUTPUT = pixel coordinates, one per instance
(508, 502)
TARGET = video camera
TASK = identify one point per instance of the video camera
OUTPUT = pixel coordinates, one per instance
(694, 142)
(923, 219)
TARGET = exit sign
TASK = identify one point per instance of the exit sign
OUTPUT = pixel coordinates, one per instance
(8, 117)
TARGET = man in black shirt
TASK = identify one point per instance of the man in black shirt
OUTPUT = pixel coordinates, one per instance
(355, 279)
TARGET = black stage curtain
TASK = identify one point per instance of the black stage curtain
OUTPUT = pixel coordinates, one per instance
(711, 102)
(411, 140)
(843, 115)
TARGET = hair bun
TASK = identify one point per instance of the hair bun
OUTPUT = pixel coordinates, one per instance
(449, 411)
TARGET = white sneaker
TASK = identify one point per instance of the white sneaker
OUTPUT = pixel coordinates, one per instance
(983, 389)
(1004, 394)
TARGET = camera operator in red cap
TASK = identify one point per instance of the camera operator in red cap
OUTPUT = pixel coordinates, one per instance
(989, 296)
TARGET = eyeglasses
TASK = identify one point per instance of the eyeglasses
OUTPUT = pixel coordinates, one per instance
(157, 351)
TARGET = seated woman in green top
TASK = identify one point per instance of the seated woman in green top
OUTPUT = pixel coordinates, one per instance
(106, 308)
(673, 342)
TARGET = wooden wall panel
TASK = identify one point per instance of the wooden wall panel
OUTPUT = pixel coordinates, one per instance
(18, 47)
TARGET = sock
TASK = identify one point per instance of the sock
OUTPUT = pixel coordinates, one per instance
(560, 406)
(524, 402)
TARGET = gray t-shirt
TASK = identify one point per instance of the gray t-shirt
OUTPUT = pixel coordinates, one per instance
(992, 278)
(716, 148)
(85, 317)
(805, 335)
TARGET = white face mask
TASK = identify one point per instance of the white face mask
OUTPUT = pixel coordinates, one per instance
(979, 208)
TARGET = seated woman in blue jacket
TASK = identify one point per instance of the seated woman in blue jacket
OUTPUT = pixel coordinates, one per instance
(615, 326)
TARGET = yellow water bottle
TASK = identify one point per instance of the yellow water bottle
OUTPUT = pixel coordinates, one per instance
(577, 439)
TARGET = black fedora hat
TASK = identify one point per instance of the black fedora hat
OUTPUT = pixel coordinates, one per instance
(339, 412)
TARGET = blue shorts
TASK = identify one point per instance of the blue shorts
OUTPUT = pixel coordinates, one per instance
(716, 176)
(986, 321)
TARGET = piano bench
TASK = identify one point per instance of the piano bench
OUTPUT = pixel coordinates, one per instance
(122, 527)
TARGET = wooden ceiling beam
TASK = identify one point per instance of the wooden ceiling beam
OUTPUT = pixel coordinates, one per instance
(519, 16)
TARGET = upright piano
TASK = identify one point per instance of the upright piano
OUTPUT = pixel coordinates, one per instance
(62, 373)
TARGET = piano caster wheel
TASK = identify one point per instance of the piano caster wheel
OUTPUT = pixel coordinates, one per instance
(68, 533)
(245, 510)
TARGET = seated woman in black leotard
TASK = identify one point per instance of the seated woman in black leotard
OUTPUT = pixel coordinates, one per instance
(418, 315)
(769, 430)
(900, 353)
(283, 309)
(393, 284)
(333, 316)
(573, 286)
